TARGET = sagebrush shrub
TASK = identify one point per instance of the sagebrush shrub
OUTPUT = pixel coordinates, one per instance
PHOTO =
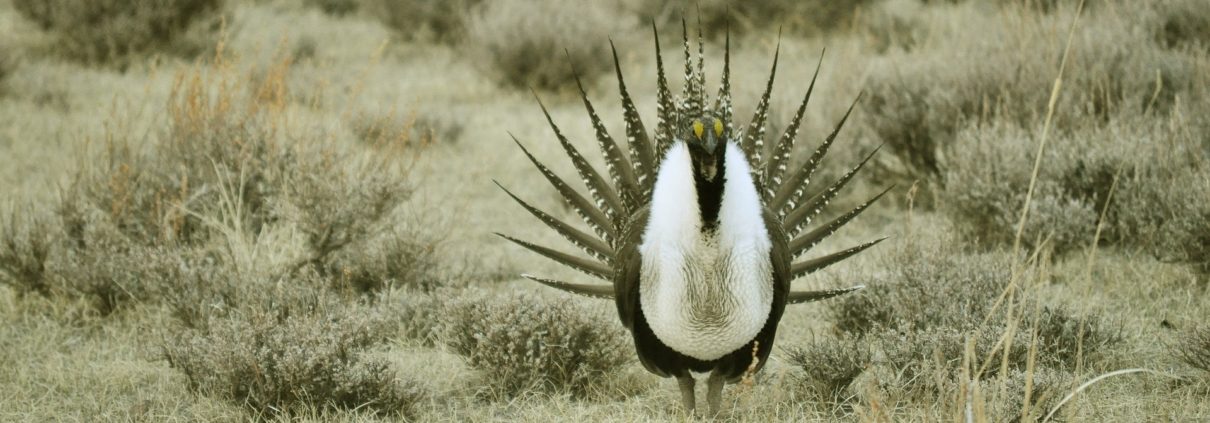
(828, 367)
(284, 352)
(523, 343)
(9, 60)
(1160, 170)
(224, 188)
(920, 99)
(104, 31)
(334, 7)
(807, 17)
(916, 318)
(523, 42)
(1184, 24)
(426, 20)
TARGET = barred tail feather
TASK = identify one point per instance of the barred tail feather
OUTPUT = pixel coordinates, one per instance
(804, 268)
(592, 216)
(808, 240)
(802, 215)
(790, 192)
(799, 297)
(753, 143)
(591, 245)
(641, 149)
(722, 104)
(607, 200)
(588, 290)
(616, 162)
(589, 267)
(776, 167)
(665, 110)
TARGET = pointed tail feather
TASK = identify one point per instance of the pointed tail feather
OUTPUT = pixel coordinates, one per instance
(594, 217)
(641, 149)
(607, 200)
(808, 240)
(616, 162)
(722, 104)
(776, 167)
(589, 267)
(587, 290)
(586, 242)
(687, 98)
(754, 138)
(804, 268)
(802, 215)
(665, 110)
(790, 192)
(799, 297)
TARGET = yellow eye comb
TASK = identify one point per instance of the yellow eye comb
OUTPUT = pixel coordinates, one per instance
(698, 128)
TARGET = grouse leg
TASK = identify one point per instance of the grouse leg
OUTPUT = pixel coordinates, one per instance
(714, 391)
(686, 383)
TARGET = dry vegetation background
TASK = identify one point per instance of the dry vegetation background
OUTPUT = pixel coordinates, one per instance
(275, 209)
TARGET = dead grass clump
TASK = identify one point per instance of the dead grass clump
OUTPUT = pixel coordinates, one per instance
(283, 352)
(523, 42)
(25, 244)
(523, 343)
(999, 68)
(424, 20)
(1194, 349)
(111, 31)
(385, 130)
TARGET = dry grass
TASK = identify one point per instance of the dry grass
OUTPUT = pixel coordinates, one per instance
(287, 229)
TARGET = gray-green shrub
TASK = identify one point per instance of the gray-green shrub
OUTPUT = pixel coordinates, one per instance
(425, 20)
(105, 31)
(290, 349)
(917, 316)
(523, 42)
(523, 343)
(1156, 206)
(999, 68)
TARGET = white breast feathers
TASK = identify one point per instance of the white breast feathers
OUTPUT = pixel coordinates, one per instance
(705, 294)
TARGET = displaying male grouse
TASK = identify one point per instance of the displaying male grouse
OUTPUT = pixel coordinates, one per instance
(695, 229)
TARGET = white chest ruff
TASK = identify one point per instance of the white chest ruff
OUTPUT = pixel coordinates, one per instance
(705, 295)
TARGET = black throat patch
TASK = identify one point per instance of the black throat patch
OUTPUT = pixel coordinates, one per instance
(710, 194)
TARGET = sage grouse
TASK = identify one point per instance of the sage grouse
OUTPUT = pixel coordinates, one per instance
(696, 230)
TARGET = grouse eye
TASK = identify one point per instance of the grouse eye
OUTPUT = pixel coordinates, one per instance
(718, 128)
(698, 128)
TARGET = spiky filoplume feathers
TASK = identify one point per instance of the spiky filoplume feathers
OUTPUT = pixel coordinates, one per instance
(619, 202)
